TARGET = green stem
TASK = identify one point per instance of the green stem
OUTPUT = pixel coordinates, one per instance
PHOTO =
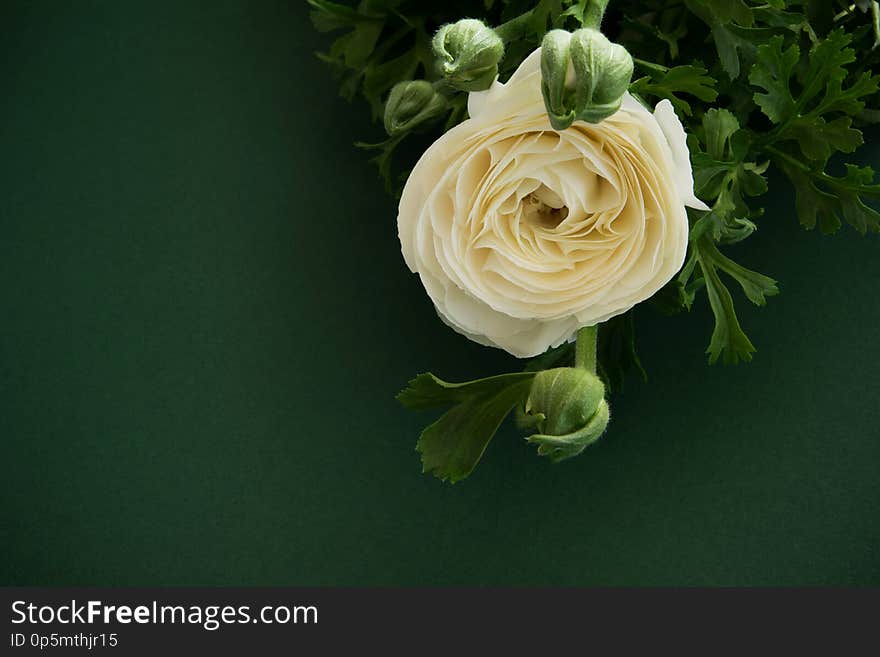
(515, 28)
(594, 12)
(787, 158)
(651, 66)
(585, 348)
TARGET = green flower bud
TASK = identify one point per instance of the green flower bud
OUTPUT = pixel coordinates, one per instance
(468, 53)
(412, 104)
(558, 95)
(603, 71)
(584, 76)
(567, 405)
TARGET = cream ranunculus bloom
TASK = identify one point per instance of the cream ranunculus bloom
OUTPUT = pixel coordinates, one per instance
(521, 234)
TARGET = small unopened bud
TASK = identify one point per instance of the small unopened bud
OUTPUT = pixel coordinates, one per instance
(584, 76)
(412, 104)
(567, 406)
(468, 53)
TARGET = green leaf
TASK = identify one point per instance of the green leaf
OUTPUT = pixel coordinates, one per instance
(728, 338)
(721, 172)
(729, 22)
(719, 125)
(546, 15)
(726, 11)
(850, 100)
(756, 287)
(577, 10)
(452, 446)
(728, 342)
(826, 70)
(737, 46)
(774, 16)
(383, 160)
(830, 201)
(427, 391)
(818, 139)
(772, 73)
(667, 28)
(668, 83)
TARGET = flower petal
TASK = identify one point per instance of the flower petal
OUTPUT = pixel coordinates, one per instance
(677, 140)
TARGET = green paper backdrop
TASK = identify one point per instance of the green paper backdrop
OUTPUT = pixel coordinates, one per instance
(205, 318)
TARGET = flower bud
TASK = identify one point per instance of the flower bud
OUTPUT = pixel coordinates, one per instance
(410, 105)
(568, 407)
(603, 71)
(468, 54)
(555, 79)
(584, 76)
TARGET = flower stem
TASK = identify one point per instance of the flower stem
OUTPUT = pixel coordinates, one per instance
(594, 12)
(515, 28)
(788, 159)
(585, 348)
(651, 66)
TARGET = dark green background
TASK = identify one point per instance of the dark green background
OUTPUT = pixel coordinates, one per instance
(206, 318)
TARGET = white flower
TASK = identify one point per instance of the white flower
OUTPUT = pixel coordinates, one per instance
(521, 234)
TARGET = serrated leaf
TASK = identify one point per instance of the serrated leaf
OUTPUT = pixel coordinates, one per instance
(428, 391)
(452, 446)
(719, 125)
(826, 67)
(729, 342)
(814, 205)
(669, 83)
(383, 160)
(755, 286)
(737, 46)
(577, 10)
(851, 99)
(829, 201)
(773, 16)
(730, 23)
(671, 29)
(720, 172)
(772, 73)
(818, 139)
